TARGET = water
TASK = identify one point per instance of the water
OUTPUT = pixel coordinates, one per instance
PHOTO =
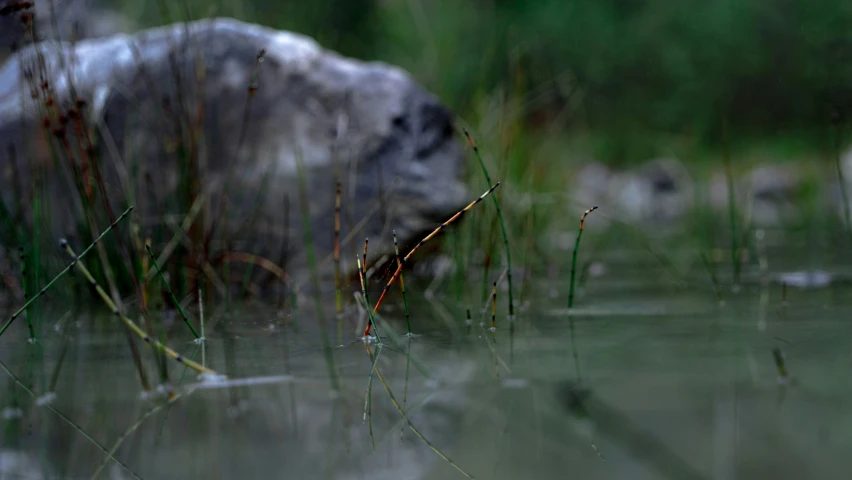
(668, 385)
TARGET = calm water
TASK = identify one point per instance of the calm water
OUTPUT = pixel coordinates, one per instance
(670, 386)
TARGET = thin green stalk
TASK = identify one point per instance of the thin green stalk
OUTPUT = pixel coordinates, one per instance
(312, 265)
(177, 395)
(732, 207)
(35, 255)
(502, 226)
(494, 308)
(63, 349)
(370, 313)
(338, 295)
(489, 255)
(574, 256)
(111, 453)
(407, 369)
(399, 263)
(63, 272)
(571, 292)
(24, 288)
(368, 397)
(171, 294)
(203, 339)
(407, 322)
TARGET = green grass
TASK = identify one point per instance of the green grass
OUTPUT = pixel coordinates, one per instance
(537, 160)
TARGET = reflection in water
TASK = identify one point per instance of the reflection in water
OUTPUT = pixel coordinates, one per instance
(670, 387)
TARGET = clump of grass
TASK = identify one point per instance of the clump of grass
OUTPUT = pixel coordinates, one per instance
(130, 323)
(63, 272)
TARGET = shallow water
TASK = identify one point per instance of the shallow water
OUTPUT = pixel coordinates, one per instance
(660, 382)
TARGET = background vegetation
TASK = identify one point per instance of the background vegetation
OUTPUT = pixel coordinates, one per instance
(624, 78)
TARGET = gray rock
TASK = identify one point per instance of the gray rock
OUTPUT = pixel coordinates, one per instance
(774, 190)
(807, 279)
(591, 183)
(658, 192)
(767, 195)
(159, 97)
(15, 464)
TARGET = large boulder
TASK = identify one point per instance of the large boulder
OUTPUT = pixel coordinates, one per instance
(225, 111)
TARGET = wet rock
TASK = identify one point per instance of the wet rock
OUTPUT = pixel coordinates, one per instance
(15, 464)
(807, 279)
(591, 184)
(194, 110)
(658, 192)
(768, 194)
(774, 190)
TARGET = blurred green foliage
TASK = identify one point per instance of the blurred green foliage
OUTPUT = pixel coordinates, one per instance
(629, 70)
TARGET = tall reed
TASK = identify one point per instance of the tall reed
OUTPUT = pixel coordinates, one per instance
(502, 227)
(571, 292)
(312, 266)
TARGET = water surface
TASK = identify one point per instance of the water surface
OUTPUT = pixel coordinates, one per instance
(658, 382)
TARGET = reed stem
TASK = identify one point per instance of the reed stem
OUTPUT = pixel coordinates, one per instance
(312, 266)
(425, 239)
(128, 322)
(25, 290)
(171, 294)
(574, 256)
(502, 226)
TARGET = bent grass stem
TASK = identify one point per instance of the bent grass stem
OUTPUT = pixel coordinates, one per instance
(438, 230)
(63, 272)
(128, 322)
(410, 424)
